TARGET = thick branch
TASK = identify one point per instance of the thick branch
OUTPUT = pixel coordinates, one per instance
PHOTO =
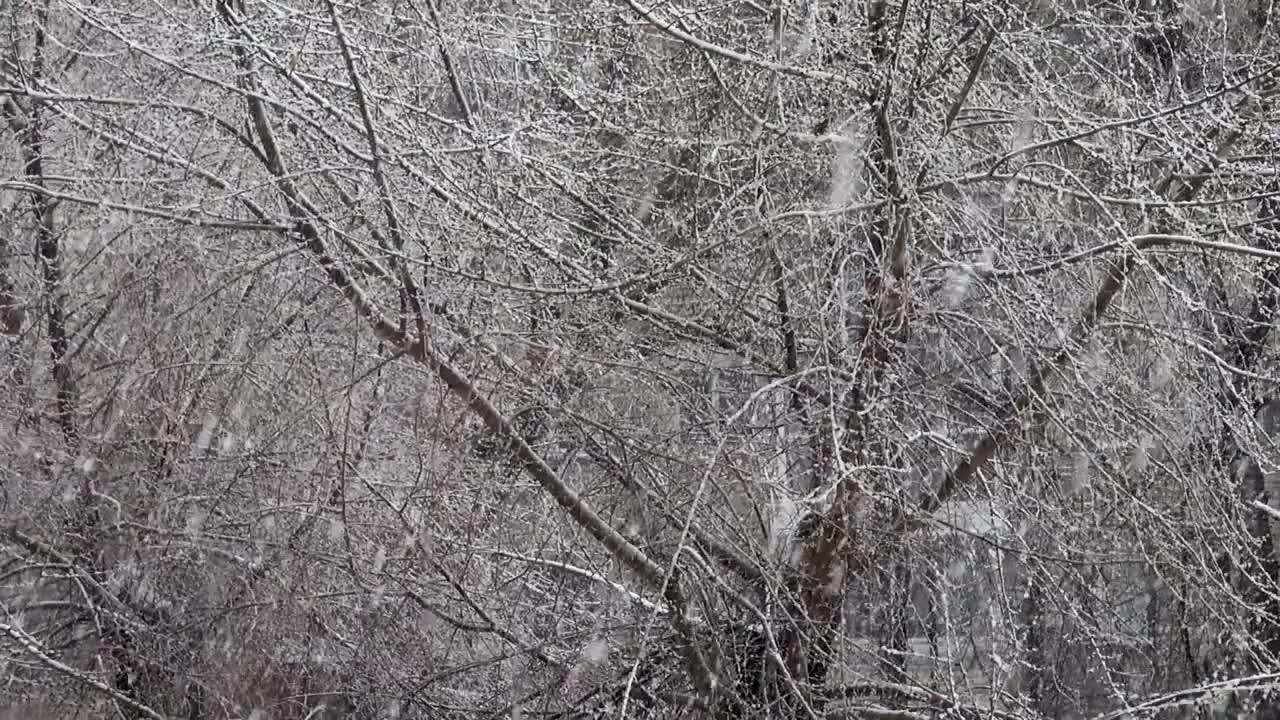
(49, 252)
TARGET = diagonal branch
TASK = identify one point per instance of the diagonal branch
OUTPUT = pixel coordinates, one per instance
(975, 68)
(1117, 275)
(31, 646)
(450, 68)
(461, 386)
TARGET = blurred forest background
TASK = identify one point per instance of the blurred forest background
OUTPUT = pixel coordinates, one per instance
(621, 359)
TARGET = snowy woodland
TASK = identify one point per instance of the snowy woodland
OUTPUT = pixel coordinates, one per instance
(811, 359)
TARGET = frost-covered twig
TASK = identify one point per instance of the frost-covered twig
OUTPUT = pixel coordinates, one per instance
(571, 569)
(1259, 505)
(32, 647)
(1209, 692)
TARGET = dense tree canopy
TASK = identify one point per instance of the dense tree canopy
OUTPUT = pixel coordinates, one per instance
(759, 359)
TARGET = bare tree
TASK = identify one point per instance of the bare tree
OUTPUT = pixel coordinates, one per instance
(607, 359)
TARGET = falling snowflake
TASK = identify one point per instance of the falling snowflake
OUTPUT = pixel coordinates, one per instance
(596, 651)
(1140, 456)
(195, 522)
(1010, 191)
(956, 286)
(206, 433)
(631, 529)
(1081, 472)
(377, 596)
(988, 261)
(1160, 374)
(1023, 131)
(241, 337)
(846, 174)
